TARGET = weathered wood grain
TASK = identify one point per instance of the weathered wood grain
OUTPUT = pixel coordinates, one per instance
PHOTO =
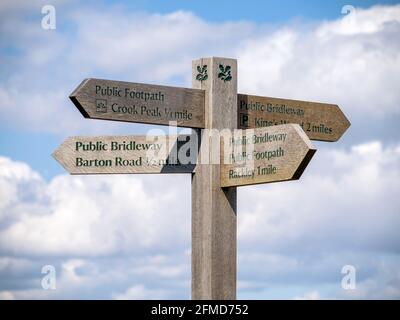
(264, 155)
(136, 102)
(141, 154)
(214, 208)
(320, 121)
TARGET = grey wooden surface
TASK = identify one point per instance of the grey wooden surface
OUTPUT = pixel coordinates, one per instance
(214, 208)
(320, 121)
(162, 160)
(266, 161)
(95, 103)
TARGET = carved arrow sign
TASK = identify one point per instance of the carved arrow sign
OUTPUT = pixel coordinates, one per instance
(263, 155)
(320, 121)
(135, 102)
(127, 154)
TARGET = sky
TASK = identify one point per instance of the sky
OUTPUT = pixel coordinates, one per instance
(128, 236)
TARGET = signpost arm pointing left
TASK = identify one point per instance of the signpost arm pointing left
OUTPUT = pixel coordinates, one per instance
(139, 102)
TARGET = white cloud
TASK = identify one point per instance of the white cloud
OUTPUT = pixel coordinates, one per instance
(150, 49)
(140, 292)
(16, 171)
(107, 235)
(96, 215)
(313, 295)
(385, 284)
(16, 265)
(352, 202)
(6, 295)
(345, 213)
(325, 62)
(295, 233)
(16, 183)
(358, 69)
(359, 21)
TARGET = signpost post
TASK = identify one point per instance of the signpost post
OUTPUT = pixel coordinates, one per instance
(273, 146)
(214, 208)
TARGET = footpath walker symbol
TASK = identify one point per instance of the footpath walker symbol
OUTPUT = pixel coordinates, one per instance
(101, 105)
(258, 140)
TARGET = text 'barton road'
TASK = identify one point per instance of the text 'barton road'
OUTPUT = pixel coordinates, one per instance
(125, 154)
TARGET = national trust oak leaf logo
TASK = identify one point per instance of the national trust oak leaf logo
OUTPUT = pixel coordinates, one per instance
(225, 73)
(202, 73)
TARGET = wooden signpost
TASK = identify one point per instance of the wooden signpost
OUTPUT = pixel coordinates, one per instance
(274, 146)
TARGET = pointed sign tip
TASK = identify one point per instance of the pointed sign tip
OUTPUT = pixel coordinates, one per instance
(304, 163)
(75, 101)
(347, 123)
(74, 98)
(58, 155)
